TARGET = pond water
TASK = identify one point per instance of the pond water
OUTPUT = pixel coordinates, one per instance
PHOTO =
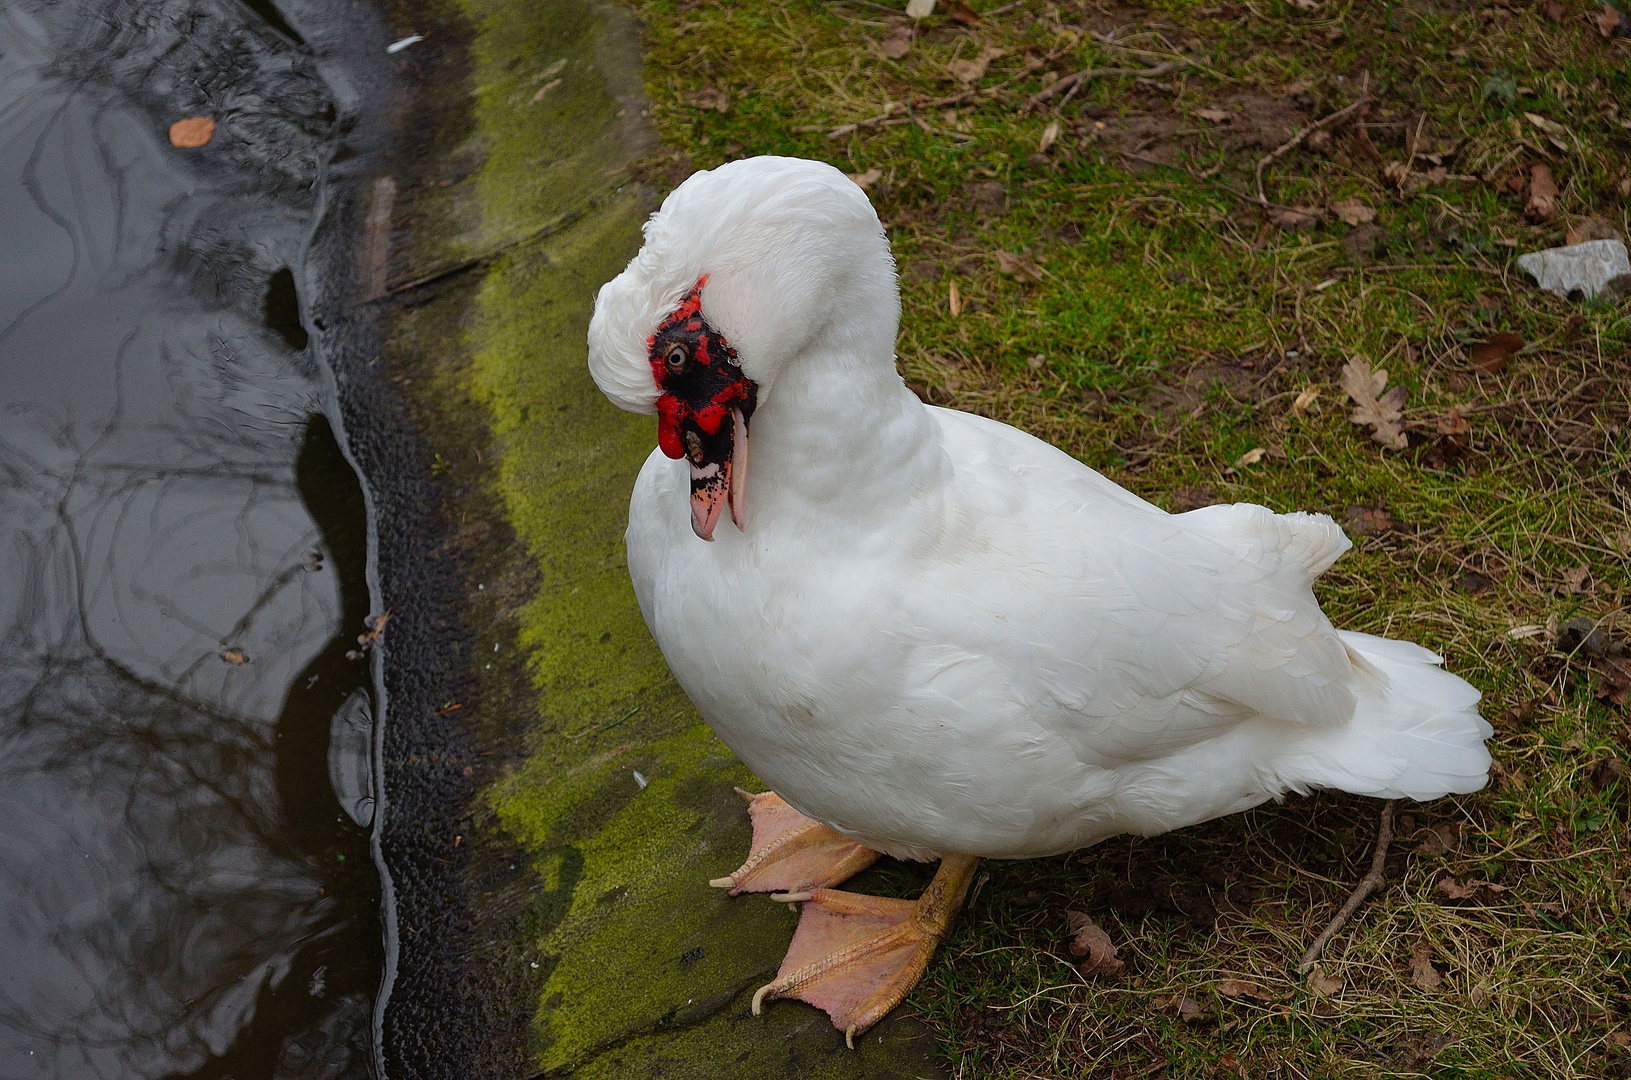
(182, 579)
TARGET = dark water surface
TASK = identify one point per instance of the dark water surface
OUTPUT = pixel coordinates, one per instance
(182, 556)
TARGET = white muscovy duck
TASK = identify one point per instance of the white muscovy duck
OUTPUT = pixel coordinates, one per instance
(938, 637)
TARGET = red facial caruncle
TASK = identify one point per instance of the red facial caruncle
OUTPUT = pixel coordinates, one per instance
(704, 403)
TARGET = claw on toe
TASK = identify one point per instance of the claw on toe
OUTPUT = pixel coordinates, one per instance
(792, 853)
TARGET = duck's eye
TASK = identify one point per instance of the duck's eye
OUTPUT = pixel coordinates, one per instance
(678, 355)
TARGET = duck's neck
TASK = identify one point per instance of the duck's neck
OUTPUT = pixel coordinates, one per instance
(841, 441)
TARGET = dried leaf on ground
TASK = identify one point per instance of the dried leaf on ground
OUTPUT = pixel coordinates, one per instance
(1550, 127)
(1422, 971)
(1612, 22)
(234, 656)
(1491, 354)
(1454, 427)
(954, 301)
(1555, 11)
(1542, 204)
(1250, 457)
(1022, 267)
(1088, 939)
(1188, 1009)
(193, 132)
(865, 180)
(1614, 682)
(1482, 891)
(1439, 839)
(919, 9)
(1050, 135)
(1238, 988)
(1323, 985)
(1368, 520)
(972, 71)
(1291, 218)
(897, 44)
(1305, 401)
(1574, 580)
(962, 13)
(1588, 229)
(1381, 411)
(1353, 212)
(1217, 116)
(710, 98)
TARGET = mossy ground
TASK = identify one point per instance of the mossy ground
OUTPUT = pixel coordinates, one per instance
(1168, 331)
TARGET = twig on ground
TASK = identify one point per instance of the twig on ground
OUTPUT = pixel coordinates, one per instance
(1367, 885)
(1296, 140)
(1087, 74)
(939, 103)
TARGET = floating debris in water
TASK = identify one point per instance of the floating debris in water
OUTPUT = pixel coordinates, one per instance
(191, 133)
(402, 43)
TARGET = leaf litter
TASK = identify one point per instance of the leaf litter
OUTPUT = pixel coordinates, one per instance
(1381, 410)
(1088, 939)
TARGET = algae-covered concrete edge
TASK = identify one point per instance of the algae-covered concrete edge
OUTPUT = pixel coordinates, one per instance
(602, 776)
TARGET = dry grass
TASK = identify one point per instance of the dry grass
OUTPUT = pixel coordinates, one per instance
(1171, 331)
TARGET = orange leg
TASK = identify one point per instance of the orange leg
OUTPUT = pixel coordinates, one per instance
(791, 852)
(856, 957)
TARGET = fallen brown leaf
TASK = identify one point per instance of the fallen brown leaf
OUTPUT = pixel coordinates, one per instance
(1454, 427)
(193, 132)
(1353, 212)
(1588, 229)
(897, 44)
(1574, 580)
(1542, 204)
(1018, 266)
(1439, 839)
(1611, 22)
(1379, 411)
(865, 180)
(1050, 135)
(1305, 401)
(1088, 939)
(1620, 1039)
(1250, 457)
(954, 301)
(962, 13)
(972, 71)
(1291, 218)
(1188, 1009)
(1323, 985)
(1555, 11)
(1484, 891)
(1614, 683)
(1422, 971)
(234, 656)
(1491, 354)
(1368, 520)
(1236, 988)
(1217, 116)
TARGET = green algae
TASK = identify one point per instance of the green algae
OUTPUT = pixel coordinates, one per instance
(606, 779)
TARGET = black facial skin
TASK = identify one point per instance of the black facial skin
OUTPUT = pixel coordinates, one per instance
(701, 384)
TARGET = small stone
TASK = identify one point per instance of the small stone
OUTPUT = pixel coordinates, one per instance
(1584, 270)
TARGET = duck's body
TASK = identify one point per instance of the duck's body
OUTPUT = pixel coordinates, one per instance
(940, 636)
(1010, 656)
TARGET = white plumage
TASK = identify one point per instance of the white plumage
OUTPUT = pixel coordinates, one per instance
(939, 635)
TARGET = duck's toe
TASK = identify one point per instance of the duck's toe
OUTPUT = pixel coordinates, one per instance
(792, 853)
(855, 957)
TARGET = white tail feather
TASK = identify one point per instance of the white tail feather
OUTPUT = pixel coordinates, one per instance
(1415, 733)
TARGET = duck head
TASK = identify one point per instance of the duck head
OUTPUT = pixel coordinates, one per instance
(744, 269)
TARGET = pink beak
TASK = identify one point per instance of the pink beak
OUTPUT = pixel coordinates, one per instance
(715, 484)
